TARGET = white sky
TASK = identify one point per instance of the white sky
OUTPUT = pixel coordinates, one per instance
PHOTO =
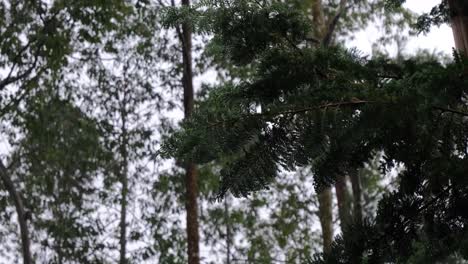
(439, 39)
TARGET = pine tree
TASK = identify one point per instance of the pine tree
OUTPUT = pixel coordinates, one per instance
(328, 106)
(337, 22)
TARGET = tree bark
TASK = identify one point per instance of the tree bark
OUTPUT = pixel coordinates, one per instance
(325, 195)
(344, 205)
(192, 214)
(123, 181)
(326, 218)
(228, 231)
(324, 31)
(318, 19)
(191, 175)
(357, 203)
(20, 211)
(123, 219)
(459, 22)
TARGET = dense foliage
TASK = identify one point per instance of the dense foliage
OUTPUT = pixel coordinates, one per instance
(90, 89)
(333, 109)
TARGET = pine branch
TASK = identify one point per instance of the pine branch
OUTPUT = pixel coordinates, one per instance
(450, 111)
(324, 106)
(353, 102)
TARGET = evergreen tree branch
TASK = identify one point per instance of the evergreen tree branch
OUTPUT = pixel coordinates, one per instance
(450, 111)
(298, 111)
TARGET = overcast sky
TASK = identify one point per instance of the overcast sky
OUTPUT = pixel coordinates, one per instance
(439, 38)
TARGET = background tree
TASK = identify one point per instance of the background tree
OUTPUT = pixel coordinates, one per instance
(340, 18)
(37, 39)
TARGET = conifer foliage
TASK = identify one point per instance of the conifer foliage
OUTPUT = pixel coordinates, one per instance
(333, 109)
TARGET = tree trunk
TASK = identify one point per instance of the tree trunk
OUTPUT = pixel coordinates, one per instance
(123, 220)
(318, 18)
(459, 22)
(326, 218)
(324, 30)
(20, 211)
(344, 205)
(191, 176)
(124, 182)
(228, 230)
(357, 203)
(325, 195)
(192, 214)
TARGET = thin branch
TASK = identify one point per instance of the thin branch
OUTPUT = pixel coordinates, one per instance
(313, 40)
(324, 106)
(299, 111)
(450, 110)
(18, 77)
(16, 101)
(9, 79)
(20, 211)
(353, 102)
(259, 260)
(15, 63)
(293, 45)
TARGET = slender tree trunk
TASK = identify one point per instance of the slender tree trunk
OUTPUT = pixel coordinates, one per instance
(60, 258)
(20, 211)
(191, 175)
(459, 21)
(325, 197)
(326, 218)
(192, 214)
(344, 205)
(357, 202)
(123, 220)
(124, 182)
(228, 230)
(324, 30)
(123, 172)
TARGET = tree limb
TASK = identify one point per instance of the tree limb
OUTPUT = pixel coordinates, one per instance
(20, 211)
(9, 80)
(333, 23)
(450, 110)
